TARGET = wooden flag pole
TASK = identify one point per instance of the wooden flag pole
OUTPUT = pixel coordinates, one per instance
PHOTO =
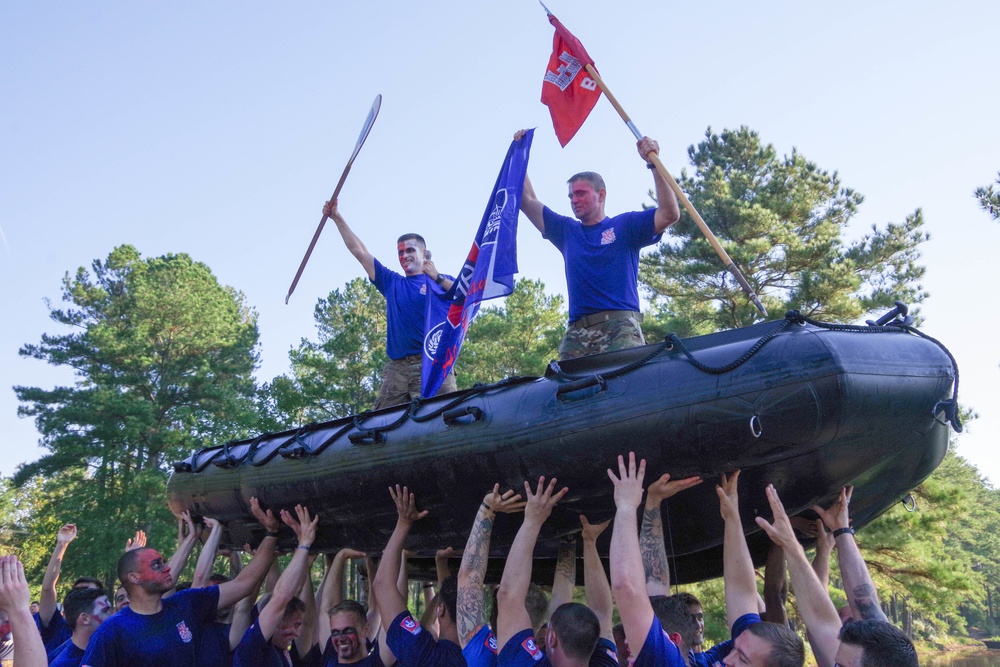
(655, 159)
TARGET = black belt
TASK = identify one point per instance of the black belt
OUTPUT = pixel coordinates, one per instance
(604, 316)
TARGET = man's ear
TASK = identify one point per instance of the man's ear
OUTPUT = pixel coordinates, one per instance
(675, 638)
(133, 577)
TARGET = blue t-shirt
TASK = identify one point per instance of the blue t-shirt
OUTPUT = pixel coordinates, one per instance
(56, 633)
(213, 646)
(715, 655)
(415, 647)
(602, 260)
(481, 650)
(255, 651)
(373, 659)
(405, 309)
(54, 653)
(70, 656)
(163, 639)
(522, 651)
(658, 650)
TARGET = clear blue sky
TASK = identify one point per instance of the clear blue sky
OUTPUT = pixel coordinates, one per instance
(219, 129)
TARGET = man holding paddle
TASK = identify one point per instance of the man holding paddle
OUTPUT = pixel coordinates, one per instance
(602, 257)
(405, 308)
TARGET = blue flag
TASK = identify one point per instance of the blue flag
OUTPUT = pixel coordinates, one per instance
(488, 271)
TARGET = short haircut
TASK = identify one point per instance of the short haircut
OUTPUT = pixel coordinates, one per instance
(294, 605)
(182, 586)
(217, 579)
(128, 563)
(577, 628)
(787, 649)
(413, 237)
(673, 615)
(448, 596)
(884, 644)
(591, 177)
(350, 607)
(688, 599)
(536, 603)
(88, 582)
(79, 601)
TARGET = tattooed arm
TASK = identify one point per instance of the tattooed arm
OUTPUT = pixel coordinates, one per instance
(858, 584)
(471, 608)
(564, 579)
(651, 545)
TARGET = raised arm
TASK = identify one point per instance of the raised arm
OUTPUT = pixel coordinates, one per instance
(597, 588)
(180, 558)
(290, 580)
(824, 547)
(627, 574)
(312, 619)
(811, 599)
(651, 543)
(564, 578)
(471, 607)
(206, 559)
(390, 601)
(251, 576)
(738, 572)
(351, 240)
(667, 211)
(775, 587)
(47, 598)
(530, 205)
(14, 599)
(858, 584)
(512, 617)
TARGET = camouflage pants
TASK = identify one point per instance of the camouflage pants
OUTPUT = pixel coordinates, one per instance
(606, 331)
(401, 382)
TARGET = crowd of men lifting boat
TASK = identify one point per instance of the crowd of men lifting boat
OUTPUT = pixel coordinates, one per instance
(220, 620)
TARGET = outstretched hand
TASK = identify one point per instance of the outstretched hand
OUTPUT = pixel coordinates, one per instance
(628, 483)
(14, 592)
(837, 516)
(591, 531)
(266, 519)
(137, 542)
(507, 502)
(406, 505)
(729, 500)
(781, 531)
(66, 534)
(540, 503)
(302, 524)
(665, 487)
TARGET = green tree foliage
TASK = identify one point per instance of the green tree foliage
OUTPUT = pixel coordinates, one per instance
(163, 357)
(519, 337)
(989, 199)
(340, 373)
(782, 221)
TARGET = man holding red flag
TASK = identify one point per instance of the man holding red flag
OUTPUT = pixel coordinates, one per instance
(601, 254)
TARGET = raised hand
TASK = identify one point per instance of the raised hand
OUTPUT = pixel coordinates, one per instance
(66, 534)
(507, 502)
(591, 531)
(302, 524)
(628, 483)
(729, 501)
(665, 487)
(837, 516)
(781, 531)
(540, 503)
(266, 519)
(137, 542)
(406, 505)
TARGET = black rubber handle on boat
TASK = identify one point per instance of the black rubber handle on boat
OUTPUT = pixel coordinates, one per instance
(900, 309)
(577, 385)
(453, 417)
(367, 438)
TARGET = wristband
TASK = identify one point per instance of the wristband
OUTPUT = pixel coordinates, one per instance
(488, 508)
(271, 533)
(305, 546)
(439, 279)
(650, 165)
(428, 585)
(843, 531)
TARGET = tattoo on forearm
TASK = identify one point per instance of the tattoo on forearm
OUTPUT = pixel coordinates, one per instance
(566, 561)
(866, 600)
(654, 553)
(471, 597)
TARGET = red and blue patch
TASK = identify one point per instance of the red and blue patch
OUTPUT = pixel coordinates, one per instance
(531, 647)
(410, 625)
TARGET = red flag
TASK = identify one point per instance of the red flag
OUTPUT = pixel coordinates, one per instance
(567, 90)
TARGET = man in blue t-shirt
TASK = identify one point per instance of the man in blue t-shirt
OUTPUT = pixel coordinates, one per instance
(154, 631)
(601, 254)
(405, 309)
(84, 609)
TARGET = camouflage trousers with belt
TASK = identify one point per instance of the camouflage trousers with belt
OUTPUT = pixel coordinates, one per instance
(401, 382)
(605, 331)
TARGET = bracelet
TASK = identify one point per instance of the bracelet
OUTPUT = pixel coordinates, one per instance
(843, 531)
(488, 508)
(428, 584)
(440, 279)
(305, 546)
(650, 165)
(271, 533)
